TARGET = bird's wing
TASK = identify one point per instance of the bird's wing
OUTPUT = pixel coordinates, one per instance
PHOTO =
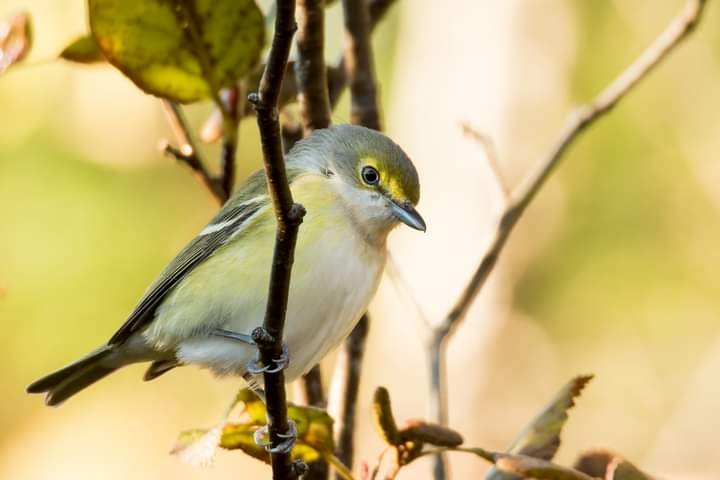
(231, 219)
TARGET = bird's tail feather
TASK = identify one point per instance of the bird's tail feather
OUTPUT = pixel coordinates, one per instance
(66, 382)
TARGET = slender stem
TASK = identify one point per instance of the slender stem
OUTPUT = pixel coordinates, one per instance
(360, 74)
(188, 152)
(359, 64)
(310, 74)
(231, 122)
(576, 123)
(437, 403)
(288, 216)
(344, 390)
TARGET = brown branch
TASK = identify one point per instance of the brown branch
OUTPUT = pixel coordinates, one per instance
(288, 217)
(188, 152)
(310, 74)
(231, 121)
(359, 71)
(344, 390)
(359, 66)
(576, 123)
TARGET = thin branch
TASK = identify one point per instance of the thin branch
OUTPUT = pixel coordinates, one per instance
(188, 152)
(314, 105)
(231, 122)
(576, 123)
(310, 74)
(288, 216)
(360, 74)
(488, 146)
(344, 390)
(359, 66)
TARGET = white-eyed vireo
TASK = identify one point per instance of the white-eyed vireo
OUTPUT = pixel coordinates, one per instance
(356, 185)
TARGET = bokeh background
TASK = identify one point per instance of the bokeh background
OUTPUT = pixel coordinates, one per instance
(613, 270)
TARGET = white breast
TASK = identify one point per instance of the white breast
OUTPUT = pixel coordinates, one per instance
(335, 275)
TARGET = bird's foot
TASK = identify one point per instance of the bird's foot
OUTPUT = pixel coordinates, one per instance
(285, 446)
(256, 367)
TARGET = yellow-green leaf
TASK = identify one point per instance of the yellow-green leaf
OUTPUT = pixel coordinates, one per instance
(83, 50)
(15, 40)
(314, 431)
(183, 50)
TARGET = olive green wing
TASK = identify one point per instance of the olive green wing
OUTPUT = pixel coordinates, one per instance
(230, 220)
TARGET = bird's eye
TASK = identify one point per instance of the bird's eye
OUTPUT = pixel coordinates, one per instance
(370, 175)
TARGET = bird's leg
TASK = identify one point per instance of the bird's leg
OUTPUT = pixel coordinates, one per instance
(240, 337)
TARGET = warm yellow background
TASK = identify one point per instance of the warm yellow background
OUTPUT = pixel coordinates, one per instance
(615, 270)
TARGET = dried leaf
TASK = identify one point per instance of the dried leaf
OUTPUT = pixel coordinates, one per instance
(422, 432)
(609, 466)
(15, 40)
(541, 438)
(594, 462)
(384, 419)
(620, 469)
(529, 467)
(83, 50)
(180, 50)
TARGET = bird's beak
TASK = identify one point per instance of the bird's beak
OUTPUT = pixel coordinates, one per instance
(406, 213)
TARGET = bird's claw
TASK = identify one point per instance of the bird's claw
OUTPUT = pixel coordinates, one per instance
(255, 366)
(283, 447)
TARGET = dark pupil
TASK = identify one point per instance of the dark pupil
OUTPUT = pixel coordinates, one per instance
(370, 175)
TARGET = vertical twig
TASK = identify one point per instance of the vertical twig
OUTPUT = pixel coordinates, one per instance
(231, 121)
(359, 67)
(576, 123)
(288, 216)
(310, 74)
(188, 152)
(344, 390)
(360, 73)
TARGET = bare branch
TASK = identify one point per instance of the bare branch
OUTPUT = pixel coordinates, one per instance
(310, 74)
(231, 121)
(187, 152)
(576, 123)
(359, 66)
(288, 216)
(360, 73)
(488, 146)
(344, 390)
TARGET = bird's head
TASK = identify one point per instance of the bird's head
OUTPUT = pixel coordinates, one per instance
(375, 178)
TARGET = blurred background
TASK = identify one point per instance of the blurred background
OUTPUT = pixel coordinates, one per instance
(613, 270)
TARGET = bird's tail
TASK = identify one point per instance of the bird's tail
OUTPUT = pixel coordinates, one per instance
(66, 382)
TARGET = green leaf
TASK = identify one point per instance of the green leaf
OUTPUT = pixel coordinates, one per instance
(83, 50)
(15, 40)
(541, 438)
(314, 429)
(182, 50)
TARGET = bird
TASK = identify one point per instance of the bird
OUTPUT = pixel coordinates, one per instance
(356, 185)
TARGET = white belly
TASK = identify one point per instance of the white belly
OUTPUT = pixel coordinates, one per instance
(330, 290)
